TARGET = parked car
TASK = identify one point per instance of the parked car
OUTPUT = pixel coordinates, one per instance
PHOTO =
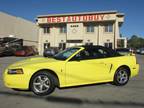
(25, 51)
(124, 51)
(50, 52)
(138, 51)
(1, 50)
(141, 50)
(72, 67)
(7, 51)
(35, 50)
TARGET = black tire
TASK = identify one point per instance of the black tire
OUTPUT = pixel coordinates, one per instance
(42, 83)
(121, 77)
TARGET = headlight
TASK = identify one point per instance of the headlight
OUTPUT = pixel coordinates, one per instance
(15, 71)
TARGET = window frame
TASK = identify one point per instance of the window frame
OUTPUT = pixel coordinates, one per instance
(90, 28)
(62, 29)
(108, 28)
(46, 30)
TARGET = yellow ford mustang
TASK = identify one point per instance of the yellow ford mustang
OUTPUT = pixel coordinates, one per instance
(72, 67)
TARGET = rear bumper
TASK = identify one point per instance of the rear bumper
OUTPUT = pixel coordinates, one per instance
(135, 70)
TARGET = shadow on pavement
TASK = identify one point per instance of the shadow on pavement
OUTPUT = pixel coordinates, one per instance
(69, 100)
(18, 94)
(73, 100)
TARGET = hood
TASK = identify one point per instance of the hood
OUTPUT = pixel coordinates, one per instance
(34, 60)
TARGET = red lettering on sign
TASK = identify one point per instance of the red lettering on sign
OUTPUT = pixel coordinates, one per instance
(102, 17)
(84, 18)
(69, 19)
(53, 19)
(49, 19)
(90, 17)
(96, 17)
(58, 19)
(74, 18)
(63, 19)
(79, 18)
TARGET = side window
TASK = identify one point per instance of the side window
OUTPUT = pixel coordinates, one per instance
(104, 53)
(92, 53)
(87, 54)
(83, 55)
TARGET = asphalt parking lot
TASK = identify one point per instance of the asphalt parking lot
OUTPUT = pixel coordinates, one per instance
(98, 96)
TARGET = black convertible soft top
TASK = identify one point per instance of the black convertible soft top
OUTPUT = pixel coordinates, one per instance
(93, 47)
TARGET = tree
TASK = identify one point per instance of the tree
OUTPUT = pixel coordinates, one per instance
(136, 42)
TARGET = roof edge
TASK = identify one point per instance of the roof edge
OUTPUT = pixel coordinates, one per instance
(79, 13)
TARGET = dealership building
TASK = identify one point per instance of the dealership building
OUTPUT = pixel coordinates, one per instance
(90, 28)
(16, 28)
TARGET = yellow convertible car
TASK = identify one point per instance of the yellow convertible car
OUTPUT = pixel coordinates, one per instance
(72, 67)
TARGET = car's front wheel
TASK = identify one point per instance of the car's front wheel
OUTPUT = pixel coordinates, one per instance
(42, 83)
(121, 77)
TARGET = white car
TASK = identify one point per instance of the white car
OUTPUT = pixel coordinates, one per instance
(142, 51)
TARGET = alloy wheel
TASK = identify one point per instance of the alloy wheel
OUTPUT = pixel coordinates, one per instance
(41, 83)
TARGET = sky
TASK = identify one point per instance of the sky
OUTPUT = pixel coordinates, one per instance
(30, 9)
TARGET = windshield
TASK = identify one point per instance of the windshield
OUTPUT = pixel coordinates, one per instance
(66, 53)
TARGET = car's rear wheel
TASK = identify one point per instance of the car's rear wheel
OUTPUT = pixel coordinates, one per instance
(42, 83)
(121, 76)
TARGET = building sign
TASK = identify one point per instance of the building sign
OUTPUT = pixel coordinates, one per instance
(75, 18)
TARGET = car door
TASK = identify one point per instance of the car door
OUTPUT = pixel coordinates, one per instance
(87, 68)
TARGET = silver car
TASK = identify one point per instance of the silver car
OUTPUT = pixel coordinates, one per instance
(142, 51)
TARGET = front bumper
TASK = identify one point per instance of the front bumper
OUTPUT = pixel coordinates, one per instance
(17, 81)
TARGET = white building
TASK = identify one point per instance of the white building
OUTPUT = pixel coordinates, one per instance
(66, 30)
